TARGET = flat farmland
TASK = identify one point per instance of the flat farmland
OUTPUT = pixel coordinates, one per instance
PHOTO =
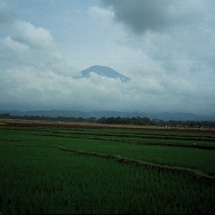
(86, 168)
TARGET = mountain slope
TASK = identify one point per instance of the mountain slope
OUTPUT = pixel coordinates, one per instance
(104, 72)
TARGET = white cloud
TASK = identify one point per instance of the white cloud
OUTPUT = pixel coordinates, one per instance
(36, 37)
(101, 15)
(14, 46)
(32, 46)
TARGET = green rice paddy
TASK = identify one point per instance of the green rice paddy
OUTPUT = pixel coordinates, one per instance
(74, 170)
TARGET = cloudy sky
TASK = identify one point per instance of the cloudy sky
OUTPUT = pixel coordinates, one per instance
(166, 47)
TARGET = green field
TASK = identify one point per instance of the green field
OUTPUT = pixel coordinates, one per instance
(82, 169)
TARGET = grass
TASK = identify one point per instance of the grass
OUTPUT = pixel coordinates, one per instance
(38, 177)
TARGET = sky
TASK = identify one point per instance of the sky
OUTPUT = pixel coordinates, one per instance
(166, 47)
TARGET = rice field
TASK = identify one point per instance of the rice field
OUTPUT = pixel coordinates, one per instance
(75, 169)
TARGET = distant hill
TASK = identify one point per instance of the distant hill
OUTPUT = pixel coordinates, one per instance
(98, 114)
(104, 72)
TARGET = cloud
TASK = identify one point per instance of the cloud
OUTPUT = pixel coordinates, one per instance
(100, 15)
(34, 74)
(36, 37)
(26, 86)
(175, 40)
(31, 46)
(143, 15)
(169, 57)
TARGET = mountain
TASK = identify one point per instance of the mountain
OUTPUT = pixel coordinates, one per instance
(104, 72)
(166, 116)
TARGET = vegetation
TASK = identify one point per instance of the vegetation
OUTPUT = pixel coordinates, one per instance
(119, 120)
(54, 168)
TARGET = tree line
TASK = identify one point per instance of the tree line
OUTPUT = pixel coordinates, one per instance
(119, 120)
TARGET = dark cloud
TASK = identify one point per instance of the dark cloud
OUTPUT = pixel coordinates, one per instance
(155, 15)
